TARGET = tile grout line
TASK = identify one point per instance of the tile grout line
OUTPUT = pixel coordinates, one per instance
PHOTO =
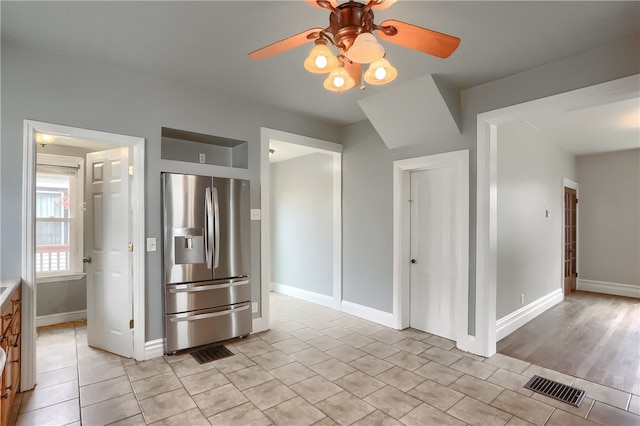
(550, 415)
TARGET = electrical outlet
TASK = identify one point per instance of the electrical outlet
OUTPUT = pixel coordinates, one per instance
(151, 244)
(254, 307)
(201, 158)
(255, 214)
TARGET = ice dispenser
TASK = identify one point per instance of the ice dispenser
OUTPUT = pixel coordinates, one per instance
(188, 245)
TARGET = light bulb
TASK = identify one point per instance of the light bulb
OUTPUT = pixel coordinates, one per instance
(321, 62)
(320, 59)
(380, 72)
(339, 80)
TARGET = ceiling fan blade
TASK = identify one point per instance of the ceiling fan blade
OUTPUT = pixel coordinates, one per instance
(418, 38)
(382, 4)
(286, 44)
(323, 4)
(354, 69)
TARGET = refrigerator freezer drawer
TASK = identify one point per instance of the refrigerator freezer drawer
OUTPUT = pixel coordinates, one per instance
(205, 295)
(206, 326)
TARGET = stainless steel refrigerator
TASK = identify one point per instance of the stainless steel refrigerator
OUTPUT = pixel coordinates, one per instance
(206, 260)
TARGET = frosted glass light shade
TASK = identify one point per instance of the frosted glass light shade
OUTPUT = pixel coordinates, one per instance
(321, 59)
(365, 49)
(380, 72)
(44, 139)
(339, 80)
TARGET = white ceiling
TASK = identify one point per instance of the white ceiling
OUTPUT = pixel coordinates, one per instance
(205, 43)
(610, 127)
(283, 151)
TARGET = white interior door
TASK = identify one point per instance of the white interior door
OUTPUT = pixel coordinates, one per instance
(434, 251)
(109, 290)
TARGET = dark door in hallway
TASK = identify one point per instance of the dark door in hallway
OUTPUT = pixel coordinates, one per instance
(570, 239)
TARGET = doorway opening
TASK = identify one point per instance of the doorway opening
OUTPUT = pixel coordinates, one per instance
(134, 211)
(324, 155)
(484, 304)
(570, 236)
(447, 182)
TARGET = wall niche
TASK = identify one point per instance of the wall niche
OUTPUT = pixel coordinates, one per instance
(182, 145)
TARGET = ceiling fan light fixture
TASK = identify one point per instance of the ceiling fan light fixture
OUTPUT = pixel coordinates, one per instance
(380, 72)
(339, 80)
(321, 59)
(365, 49)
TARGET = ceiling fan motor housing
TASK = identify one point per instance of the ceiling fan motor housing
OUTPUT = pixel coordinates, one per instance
(348, 20)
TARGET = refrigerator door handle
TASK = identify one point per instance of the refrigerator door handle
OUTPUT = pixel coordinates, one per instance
(187, 288)
(208, 226)
(216, 233)
(209, 315)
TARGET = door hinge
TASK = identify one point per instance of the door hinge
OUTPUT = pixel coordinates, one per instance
(130, 323)
(576, 274)
(130, 170)
(130, 247)
(576, 201)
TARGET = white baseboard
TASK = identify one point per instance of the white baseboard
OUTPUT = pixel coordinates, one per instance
(309, 296)
(153, 348)
(609, 288)
(61, 318)
(510, 323)
(364, 312)
(370, 314)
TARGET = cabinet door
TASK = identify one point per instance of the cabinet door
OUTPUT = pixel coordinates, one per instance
(5, 391)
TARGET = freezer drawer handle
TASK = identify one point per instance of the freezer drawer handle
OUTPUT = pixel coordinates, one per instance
(206, 287)
(210, 315)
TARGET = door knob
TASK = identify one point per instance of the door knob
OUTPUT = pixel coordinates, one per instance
(86, 259)
(413, 261)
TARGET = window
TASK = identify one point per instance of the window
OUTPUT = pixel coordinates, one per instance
(59, 201)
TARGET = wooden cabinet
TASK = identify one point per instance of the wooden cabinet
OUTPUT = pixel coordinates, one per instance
(10, 320)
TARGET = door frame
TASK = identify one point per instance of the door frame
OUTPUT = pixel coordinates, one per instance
(335, 150)
(568, 183)
(28, 375)
(402, 236)
(486, 195)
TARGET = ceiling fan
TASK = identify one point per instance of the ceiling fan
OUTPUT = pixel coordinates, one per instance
(350, 31)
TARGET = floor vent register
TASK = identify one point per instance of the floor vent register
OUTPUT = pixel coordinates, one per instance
(211, 353)
(556, 390)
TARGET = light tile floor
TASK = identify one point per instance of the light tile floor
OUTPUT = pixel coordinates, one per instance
(316, 366)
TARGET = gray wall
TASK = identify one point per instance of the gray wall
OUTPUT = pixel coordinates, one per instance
(367, 175)
(301, 209)
(367, 218)
(530, 181)
(61, 297)
(609, 217)
(41, 86)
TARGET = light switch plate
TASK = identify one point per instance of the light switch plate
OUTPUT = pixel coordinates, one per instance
(152, 244)
(255, 214)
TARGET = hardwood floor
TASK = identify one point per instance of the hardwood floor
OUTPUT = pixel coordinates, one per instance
(592, 336)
